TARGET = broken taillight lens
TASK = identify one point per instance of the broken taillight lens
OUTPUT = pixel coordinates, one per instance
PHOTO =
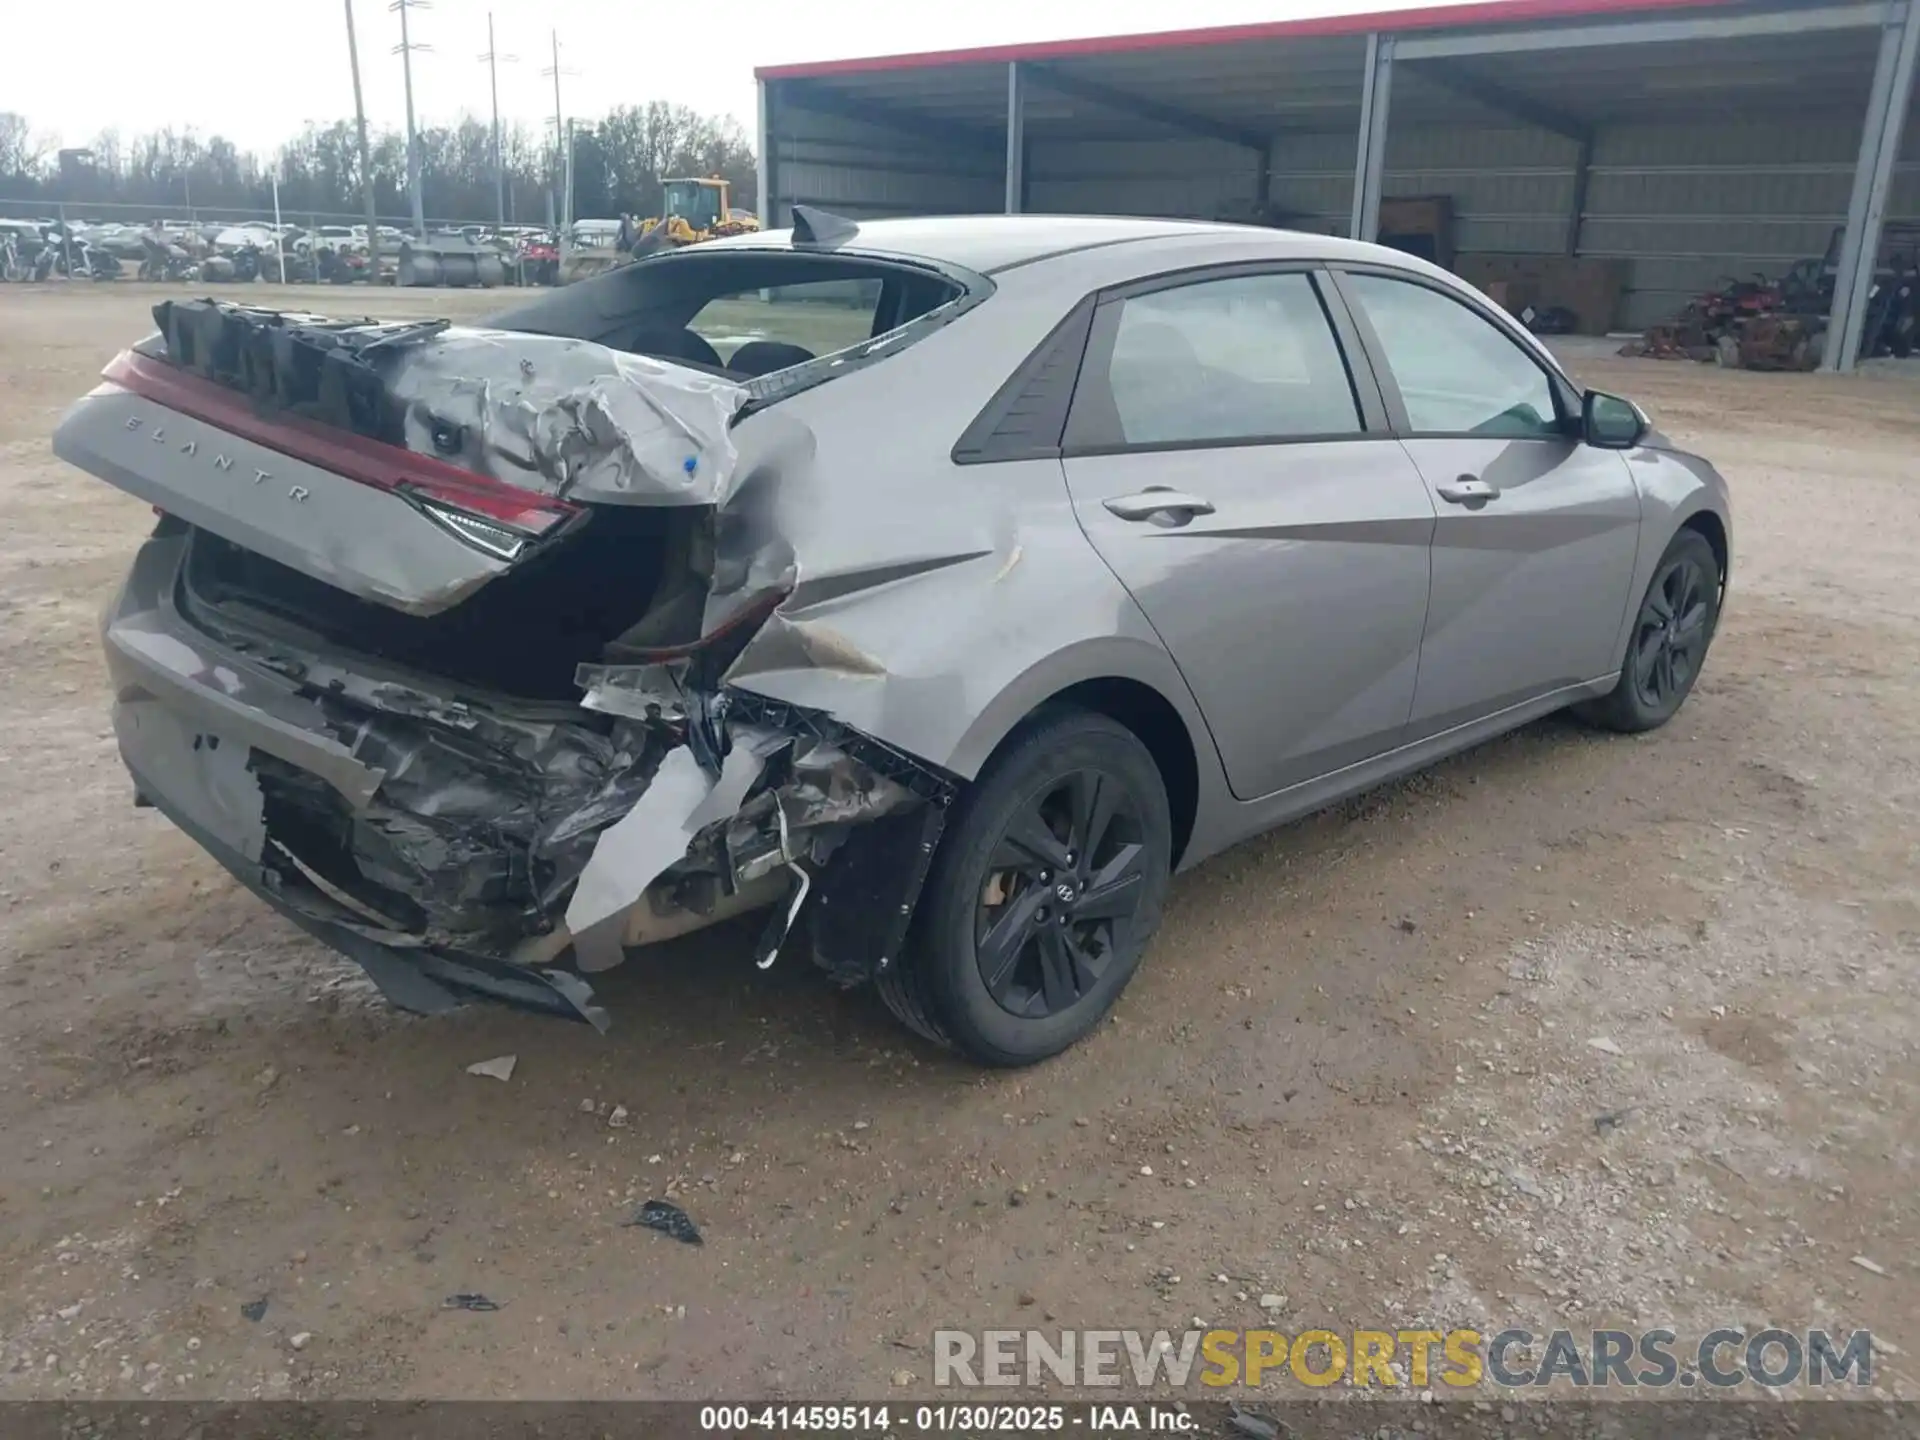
(488, 514)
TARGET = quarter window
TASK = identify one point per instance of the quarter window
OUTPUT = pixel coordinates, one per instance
(1458, 373)
(1251, 357)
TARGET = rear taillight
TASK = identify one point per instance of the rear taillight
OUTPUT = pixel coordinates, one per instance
(488, 514)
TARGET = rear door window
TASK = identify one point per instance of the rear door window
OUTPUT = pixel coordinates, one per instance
(788, 324)
(1242, 358)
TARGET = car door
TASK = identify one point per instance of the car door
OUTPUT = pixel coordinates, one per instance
(1242, 483)
(1533, 552)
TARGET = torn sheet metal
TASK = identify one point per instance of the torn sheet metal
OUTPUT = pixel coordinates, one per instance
(658, 831)
(639, 692)
(831, 787)
(785, 644)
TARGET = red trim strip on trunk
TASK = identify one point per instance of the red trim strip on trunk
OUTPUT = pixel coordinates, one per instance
(353, 457)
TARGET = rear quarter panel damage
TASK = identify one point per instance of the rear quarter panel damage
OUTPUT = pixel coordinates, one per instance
(932, 606)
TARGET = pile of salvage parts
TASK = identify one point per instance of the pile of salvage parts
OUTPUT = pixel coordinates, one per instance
(1762, 324)
(481, 835)
(1744, 325)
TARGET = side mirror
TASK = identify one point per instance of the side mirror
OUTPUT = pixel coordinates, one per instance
(1609, 423)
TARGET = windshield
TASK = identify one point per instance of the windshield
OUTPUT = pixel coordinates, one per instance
(697, 204)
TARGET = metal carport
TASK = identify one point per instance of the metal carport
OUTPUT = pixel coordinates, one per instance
(1689, 139)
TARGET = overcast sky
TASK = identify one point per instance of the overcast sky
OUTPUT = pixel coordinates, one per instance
(256, 73)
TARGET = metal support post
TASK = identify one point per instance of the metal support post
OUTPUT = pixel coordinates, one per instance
(1016, 138)
(1887, 105)
(1376, 94)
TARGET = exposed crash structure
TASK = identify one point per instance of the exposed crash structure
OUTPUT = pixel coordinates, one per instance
(454, 748)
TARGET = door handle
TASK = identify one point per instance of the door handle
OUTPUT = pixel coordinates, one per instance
(1178, 506)
(1468, 490)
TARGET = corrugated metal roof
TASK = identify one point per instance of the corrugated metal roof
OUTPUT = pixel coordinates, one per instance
(1438, 17)
(1305, 74)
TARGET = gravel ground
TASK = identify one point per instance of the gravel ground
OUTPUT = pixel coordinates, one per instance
(1571, 1031)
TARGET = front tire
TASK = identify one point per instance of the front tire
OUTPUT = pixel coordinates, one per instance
(1668, 644)
(1046, 890)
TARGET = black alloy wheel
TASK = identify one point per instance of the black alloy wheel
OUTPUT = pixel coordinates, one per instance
(1063, 894)
(1669, 640)
(1670, 636)
(1044, 893)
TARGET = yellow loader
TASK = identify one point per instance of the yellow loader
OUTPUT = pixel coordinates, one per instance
(697, 209)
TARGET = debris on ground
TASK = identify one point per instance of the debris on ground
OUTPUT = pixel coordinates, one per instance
(1248, 1423)
(617, 1118)
(668, 1219)
(469, 1300)
(1612, 1119)
(498, 1068)
(1606, 1045)
(1525, 1184)
(299, 1340)
(1869, 1266)
(255, 1310)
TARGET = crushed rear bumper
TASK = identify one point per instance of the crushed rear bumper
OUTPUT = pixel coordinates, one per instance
(459, 851)
(190, 715)
(421, 980)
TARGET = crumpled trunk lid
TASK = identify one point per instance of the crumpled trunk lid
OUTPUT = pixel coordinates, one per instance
(405, 463)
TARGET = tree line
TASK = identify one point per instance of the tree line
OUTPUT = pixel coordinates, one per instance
(619, 164)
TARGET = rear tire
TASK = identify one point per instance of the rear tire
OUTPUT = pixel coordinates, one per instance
(1668, 644)
(1047, 887)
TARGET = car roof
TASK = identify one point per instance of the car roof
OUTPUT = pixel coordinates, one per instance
(986, 243)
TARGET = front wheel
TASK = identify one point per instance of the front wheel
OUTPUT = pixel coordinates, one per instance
(1047, 887)
(1671, 633)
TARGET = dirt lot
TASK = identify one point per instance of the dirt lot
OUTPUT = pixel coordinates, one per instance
(1358, 1070)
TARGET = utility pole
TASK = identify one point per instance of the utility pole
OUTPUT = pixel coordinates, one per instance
(405, 50)
(566, 209)
(563, 150)
(492, 57)
(366, 159)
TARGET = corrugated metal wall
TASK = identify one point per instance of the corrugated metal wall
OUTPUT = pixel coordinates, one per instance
(1511, 187)
(864, 170)
(1194, 178)
(1682, 205)
(1688, 205)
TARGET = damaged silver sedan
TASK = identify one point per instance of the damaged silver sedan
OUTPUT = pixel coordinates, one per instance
(934, 587)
